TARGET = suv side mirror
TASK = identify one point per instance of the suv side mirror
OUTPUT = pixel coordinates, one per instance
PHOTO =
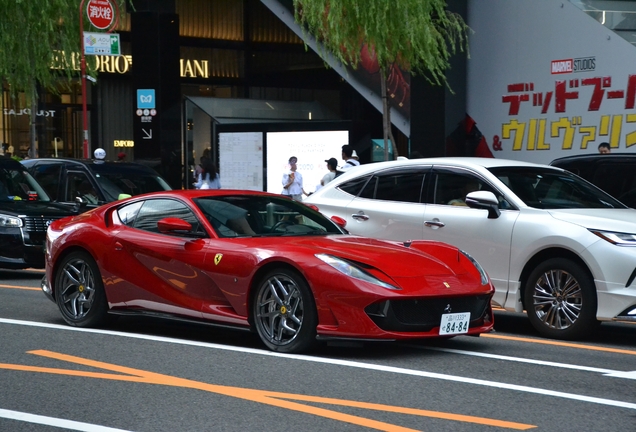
(484, 200)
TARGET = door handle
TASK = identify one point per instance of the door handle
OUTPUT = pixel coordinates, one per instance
(118, 246)
(437, 224)
(360, 217)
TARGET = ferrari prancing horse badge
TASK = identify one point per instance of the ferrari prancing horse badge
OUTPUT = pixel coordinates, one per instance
(217, 258)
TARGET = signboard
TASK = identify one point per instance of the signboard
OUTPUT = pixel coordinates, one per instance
(241, 160)
(100, 13)
(146, 98)
(101, 44)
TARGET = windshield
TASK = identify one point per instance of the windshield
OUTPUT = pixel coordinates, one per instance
(115, 183)
(17, 184)
(546, 188)
(263, 216)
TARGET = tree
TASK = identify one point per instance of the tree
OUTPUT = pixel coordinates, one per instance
(39, 40)
(418, 36)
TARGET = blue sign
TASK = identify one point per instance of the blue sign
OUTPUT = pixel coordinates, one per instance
(146, 98)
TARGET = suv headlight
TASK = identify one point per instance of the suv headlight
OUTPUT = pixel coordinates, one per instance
(352, 271)
(617, 238)
(10, 221)
(480, 269)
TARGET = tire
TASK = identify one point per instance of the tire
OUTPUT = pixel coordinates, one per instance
(560, 300)
(79, 291)
(284, 312)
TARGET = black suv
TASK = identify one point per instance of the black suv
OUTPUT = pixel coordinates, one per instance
(615, 173)
(94, 182)
(25, 213)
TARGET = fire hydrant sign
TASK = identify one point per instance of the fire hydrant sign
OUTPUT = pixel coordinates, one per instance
(100, 13)
(101, 44)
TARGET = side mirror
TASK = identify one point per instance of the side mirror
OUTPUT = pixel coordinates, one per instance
(168, 225)
(484, 200)
(339, 221)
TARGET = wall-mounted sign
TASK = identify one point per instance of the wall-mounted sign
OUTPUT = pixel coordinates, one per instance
(27, 112)
(100, 13)
(123, 143)
(146, 98)
(101, 44)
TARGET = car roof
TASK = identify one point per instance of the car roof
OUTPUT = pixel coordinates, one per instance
(8, 162)
(593, 158)
(96, 165)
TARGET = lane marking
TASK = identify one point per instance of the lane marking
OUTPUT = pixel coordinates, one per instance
(359, 365)
(557, 343)
(21, 287)
(277, 399)
(55, 422)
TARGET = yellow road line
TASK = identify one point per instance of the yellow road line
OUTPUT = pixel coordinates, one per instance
(280, 400)
(557, 343)
(20, 287)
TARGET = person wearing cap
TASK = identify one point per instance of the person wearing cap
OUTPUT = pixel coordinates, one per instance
(354, 155)
(293, 181)
(347, 156)
(332, 165)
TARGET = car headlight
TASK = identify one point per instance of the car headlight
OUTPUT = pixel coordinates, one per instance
(480, 269)
(352, 271)
(10, 221)
(617, 238)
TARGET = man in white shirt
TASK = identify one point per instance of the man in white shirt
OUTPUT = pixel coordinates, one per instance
(293, 181)
(347, 156)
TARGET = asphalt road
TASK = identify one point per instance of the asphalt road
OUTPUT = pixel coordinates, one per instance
(149, 375)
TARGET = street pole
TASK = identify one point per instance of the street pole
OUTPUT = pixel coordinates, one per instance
(83, 72)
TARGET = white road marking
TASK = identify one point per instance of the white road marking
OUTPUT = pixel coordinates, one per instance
(55, 422)
(628, 375)
(360, 365)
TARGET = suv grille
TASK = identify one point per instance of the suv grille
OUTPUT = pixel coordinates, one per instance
(35, 228)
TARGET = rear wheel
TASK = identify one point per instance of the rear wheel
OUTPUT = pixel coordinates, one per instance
(284, 312)
(560, 300)
(79, 292)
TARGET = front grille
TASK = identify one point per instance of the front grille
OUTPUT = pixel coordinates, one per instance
(424, 314)
(35, 229)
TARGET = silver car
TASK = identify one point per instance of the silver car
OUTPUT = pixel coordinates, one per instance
(553, 244)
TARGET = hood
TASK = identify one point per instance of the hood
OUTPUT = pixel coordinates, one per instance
(35, 208)
(390, 257)
(619, 220)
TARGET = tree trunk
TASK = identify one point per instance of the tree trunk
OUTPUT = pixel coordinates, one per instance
(386, 120)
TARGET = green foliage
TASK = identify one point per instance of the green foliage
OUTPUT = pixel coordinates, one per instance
(33, 33)
(419, 35)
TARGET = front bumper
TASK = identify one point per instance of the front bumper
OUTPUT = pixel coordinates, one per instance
(46, 288)
(15, 254)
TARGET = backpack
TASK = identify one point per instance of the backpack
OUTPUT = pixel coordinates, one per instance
(341, 171)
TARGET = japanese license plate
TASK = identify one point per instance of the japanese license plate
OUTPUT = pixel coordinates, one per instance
(454, 323)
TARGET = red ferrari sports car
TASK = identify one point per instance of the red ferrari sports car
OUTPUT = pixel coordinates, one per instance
(261, 262)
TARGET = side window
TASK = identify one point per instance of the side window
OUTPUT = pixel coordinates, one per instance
(451, 188)
(152, 211)
(353, 186)
(403, 186)
(128, 213)
(48, 176)
(78, 185)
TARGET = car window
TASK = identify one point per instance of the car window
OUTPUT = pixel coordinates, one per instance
(18, 184)
(553, 189)
(152, 211)
(354, 186)
(617, 179)
(128, 213)
(263, 216)
(451, 188)
(401, 186)
(48, 176)
(125, 180)
(78, 185)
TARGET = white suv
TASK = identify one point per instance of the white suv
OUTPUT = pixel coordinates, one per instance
(552, 243)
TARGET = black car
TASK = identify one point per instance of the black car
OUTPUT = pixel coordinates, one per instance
(615, 173)
(94, 182)
(25, 213)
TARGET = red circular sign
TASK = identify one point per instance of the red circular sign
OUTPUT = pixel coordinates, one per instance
(100, 13)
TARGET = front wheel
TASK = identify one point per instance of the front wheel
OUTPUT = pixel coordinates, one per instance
(284, 312)
(79, 292)
(560, 300)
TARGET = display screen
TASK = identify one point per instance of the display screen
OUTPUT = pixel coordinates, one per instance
(311, 149)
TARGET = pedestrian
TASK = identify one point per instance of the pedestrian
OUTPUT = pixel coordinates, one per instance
(209, 177)
(293, 181)
(604, 148)
(347, 156)
(198, 168)
(332, 165)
